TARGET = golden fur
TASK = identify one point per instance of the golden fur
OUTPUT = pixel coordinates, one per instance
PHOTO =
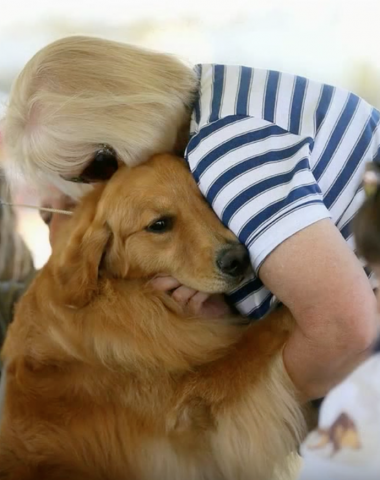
(110, 379)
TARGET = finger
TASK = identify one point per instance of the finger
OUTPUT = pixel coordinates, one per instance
(164, 284)
(196, 302)
(183, 294)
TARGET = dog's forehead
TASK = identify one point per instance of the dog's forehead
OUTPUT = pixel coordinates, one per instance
(146, 192)
(164, 176)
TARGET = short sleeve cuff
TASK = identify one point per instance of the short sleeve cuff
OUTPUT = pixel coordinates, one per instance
(283, 228)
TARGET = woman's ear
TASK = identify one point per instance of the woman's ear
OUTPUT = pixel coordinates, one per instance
(76, 265)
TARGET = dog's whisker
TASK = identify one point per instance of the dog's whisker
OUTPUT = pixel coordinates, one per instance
(35, 207)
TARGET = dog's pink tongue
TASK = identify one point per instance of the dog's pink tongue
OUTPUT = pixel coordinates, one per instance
(215, 306)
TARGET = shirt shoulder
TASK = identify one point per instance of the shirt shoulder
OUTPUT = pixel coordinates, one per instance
(294, 103)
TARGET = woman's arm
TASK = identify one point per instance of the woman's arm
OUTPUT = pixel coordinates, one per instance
(316, 275)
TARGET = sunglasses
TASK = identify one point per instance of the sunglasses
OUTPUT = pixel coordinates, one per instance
(102, 167)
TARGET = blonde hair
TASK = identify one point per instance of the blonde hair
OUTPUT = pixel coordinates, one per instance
(81, 92)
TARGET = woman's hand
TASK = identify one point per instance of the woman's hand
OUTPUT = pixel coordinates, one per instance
(198, 303)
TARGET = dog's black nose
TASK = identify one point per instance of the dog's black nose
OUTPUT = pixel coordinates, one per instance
(233, 261)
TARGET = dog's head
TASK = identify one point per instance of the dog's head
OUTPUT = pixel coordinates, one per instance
(148, 220)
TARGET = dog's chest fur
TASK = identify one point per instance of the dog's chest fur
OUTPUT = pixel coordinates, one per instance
(194, 440)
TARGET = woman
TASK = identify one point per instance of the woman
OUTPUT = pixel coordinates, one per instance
(279, 158)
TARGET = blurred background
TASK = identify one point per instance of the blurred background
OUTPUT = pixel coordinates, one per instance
(334, 41)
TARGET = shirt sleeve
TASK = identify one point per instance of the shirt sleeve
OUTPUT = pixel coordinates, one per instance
(257, 177)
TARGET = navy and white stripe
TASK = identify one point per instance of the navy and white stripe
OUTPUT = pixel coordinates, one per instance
(274, 153)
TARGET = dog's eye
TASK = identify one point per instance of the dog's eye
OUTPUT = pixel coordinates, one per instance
(102, 167)
(161, 225)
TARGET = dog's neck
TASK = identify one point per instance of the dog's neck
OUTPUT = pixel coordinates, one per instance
(128, 335)
(154, 332)
(126, 327)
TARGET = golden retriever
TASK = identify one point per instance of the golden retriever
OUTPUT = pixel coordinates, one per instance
(109, 379)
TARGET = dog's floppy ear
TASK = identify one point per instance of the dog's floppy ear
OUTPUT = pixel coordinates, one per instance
(76, 268)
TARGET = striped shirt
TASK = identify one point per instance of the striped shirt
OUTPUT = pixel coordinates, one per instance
(274, 153)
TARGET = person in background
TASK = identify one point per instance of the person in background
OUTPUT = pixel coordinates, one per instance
(16, 264)
(346, 444)
(16, 270)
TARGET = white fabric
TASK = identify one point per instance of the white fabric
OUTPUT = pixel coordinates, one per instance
(350, 414)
